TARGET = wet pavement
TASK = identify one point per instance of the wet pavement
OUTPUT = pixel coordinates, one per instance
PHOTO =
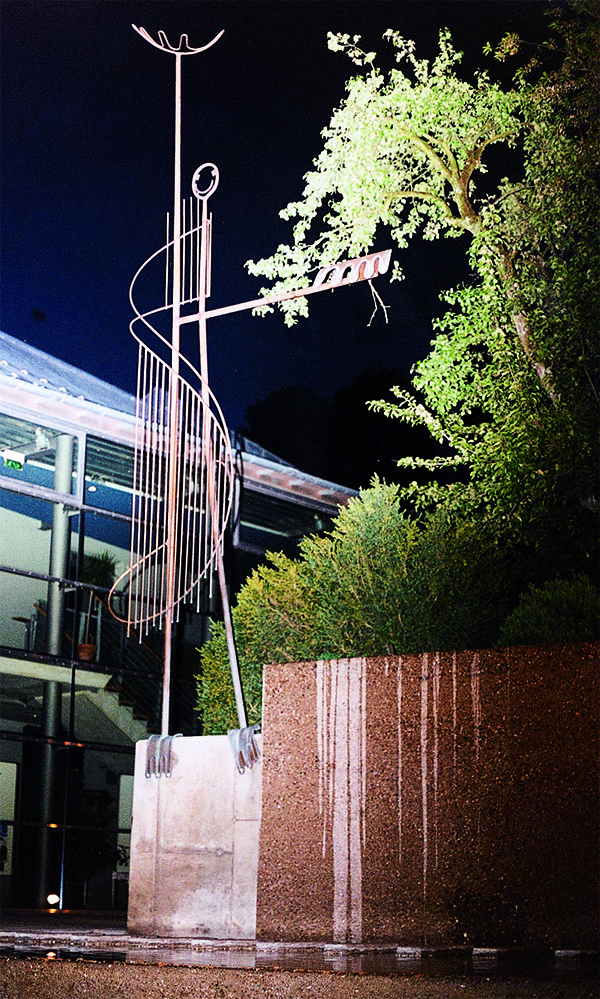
(45, 951)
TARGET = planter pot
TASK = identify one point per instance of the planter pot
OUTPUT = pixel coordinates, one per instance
(86, 652)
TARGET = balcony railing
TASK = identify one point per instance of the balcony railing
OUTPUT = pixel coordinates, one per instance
(132, 663)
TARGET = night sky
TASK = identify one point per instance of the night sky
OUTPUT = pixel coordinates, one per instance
(87, 174)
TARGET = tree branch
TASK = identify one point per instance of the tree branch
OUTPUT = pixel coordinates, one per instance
(475, 155)
(427, 148)
(426, 195)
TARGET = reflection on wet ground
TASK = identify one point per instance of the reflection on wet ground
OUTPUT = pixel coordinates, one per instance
(547, 965)
(93, 936)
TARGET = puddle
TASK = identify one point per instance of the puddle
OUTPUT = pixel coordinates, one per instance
(403, 961)
(190, 957)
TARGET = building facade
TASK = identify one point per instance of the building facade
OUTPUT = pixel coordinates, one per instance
(77, 692)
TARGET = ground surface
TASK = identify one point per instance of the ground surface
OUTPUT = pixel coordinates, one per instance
(39, 978)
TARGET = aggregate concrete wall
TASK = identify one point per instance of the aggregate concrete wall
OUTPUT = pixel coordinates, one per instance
(439, 799)
(194, 844)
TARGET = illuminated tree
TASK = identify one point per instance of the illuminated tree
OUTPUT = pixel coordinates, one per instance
(510, 386)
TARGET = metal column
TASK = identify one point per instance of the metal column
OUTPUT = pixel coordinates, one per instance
(49, 815)
(49, 864)
(59, 544)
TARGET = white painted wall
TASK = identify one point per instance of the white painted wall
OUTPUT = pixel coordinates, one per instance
(24, 546)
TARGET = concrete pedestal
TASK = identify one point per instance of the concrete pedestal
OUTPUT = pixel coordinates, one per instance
(194, 844)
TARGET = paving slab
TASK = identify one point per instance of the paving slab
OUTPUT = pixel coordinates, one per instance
(39, 978)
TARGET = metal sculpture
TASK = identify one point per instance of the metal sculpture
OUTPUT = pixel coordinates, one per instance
(184, 470)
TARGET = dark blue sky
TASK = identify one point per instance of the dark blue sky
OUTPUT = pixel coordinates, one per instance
(86, 174)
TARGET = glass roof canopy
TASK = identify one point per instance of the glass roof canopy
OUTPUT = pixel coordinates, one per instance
(42, 397)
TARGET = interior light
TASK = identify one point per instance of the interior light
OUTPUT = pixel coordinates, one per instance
(53, 899)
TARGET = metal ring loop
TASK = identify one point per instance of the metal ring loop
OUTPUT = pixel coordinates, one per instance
(204, 195)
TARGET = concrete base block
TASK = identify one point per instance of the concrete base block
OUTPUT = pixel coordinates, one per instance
(194, 844)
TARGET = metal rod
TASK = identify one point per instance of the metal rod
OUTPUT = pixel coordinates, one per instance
(210, 460)
(134, 492)
(231, 646)
(173, 410)
(257, 303)
(361, 269)
(180, 533)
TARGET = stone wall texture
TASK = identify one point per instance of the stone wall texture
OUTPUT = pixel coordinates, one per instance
(439, 799)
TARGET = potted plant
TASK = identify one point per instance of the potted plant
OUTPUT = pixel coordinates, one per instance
(98, 570)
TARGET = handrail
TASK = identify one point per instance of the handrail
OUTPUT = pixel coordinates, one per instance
(134, 666)
(30, 574)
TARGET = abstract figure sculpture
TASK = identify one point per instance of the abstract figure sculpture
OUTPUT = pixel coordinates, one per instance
(184, 471)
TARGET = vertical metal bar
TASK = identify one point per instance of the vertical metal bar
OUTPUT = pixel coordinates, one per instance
(197, 512)
(151, 446)
(80, 467)
(160, 525)
(193, 501)
(209, 457)
(173, 410)
(51, 721)
(154, 478)
(162, 562)
(203, 514)
(134, 493)
(167, 261)
(144, 470)
(76, 618)
(63, 849)
(157, 448)
(192, 283)
(209, 257)
(204, 391)
(198, 249)
(183, 505)
(183, 250)
(139, 473)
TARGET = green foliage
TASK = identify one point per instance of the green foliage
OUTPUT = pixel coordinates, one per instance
(345, 595)
(400, 152)
(378, 583)
(558, 611)
(510, 387)
(99, 570)
(215, 698)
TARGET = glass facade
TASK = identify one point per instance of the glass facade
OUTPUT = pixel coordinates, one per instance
(77, 692)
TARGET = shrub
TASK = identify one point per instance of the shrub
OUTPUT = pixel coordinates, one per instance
(215, 698)
(378, 583)
(558, 611)
(382, 582)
